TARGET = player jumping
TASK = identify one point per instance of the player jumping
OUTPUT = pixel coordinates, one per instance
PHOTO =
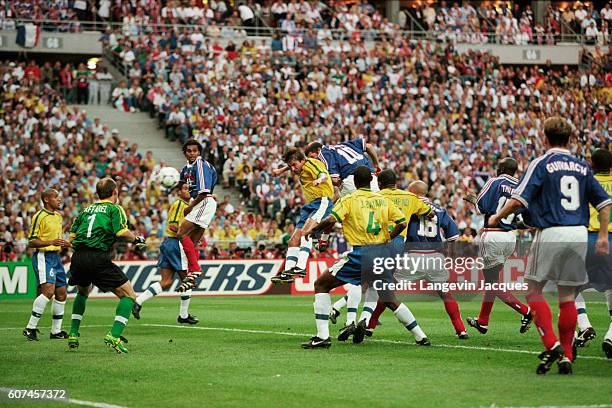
(201, 177)
(172, 260)
(318, 190)
(497, 244)
(556, 190)
(46, 238)
(365, 217)
(93, 233)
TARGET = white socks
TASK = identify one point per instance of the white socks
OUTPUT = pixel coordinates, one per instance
(322, 309)
(304, 252)
(405, 316)
(583, 317)
(38, 308)
(292, 257)
(58, 316)
(369, 304)
(153, 290)
(185, 299)
(352, 303)
(340, 303)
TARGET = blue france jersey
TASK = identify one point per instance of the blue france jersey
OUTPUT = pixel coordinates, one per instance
(493, 197)
(201, 177)
(440, 228)
(343, 159)
(557, 189)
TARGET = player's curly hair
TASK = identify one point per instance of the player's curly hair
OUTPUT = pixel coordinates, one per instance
(313, 147)
(192, 142)
(557, 131)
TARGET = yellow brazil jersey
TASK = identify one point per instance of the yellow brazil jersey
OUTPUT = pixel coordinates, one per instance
(606, 182)
(410, 204)
(46, 226)
(310, 172)
(366, 216)
(175, 216)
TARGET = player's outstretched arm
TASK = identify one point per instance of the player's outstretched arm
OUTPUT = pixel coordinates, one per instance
(602, 246)
(280, 170)
(397, 230)
(39, 243)
(372, 153)
(511, 206)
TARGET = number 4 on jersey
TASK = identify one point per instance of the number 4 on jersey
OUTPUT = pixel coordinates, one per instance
(373, 225)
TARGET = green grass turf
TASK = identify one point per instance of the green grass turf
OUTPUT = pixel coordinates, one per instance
(187, 366)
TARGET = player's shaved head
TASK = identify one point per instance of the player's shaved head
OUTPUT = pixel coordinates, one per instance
(507, 166)
(418, 187)
(602, 161)
(313, 147)
(362, 177)
(387, 179)
(48, 193)
(105, 188)
(557, 131)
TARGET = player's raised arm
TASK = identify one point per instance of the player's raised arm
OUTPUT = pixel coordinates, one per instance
(369, 149)
(277, 172)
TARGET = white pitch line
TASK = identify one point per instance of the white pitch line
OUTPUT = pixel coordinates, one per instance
(227, 329)
(64, 400)
(406, 343)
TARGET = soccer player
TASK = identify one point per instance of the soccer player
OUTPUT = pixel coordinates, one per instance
(556, 189)
(423, 230)
(599, 268)
(497, 243)
(46, 238)
(172, 260)
(93, 233)
(341, 161)
(201, 177)
(365, 216)
(318, 191)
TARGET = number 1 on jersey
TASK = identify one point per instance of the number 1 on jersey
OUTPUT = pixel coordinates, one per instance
(92, 219)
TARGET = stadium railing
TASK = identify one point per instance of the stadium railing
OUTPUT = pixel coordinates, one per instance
(268, 32)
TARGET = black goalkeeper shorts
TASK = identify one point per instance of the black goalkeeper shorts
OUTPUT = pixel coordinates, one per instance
(89, 266)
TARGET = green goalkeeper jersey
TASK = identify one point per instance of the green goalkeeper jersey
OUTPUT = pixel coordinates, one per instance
(98, 226)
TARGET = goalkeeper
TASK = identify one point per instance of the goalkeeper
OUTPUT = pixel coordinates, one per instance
(92, 235)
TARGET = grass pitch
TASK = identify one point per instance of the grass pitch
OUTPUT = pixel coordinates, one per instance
(245, 352)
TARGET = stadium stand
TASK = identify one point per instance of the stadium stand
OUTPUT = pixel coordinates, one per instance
(248, 99)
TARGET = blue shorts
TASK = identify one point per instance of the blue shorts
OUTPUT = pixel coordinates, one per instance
(172, 256)
(317, 210)
(599, 267)
(48, 268)
(348, 267)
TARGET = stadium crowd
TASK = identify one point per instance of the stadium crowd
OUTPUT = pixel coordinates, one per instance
(45, 142)
(473, 22)
(434, 114)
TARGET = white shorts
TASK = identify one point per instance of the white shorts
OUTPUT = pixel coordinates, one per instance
(203, 213)
(348, 185)
(425, 265)
(496, 245)
(558, 254)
